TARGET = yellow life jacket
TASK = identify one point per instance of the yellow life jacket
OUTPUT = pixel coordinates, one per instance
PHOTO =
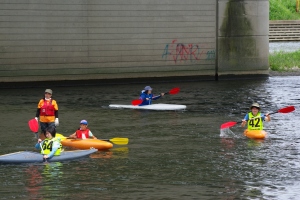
(255, 124)
(47, 146)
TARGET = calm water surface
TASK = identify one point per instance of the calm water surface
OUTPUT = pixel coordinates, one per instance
(170, 155)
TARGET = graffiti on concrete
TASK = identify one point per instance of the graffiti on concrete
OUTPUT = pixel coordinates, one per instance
(187, 52)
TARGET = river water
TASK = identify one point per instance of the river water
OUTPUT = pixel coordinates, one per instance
(170, 155)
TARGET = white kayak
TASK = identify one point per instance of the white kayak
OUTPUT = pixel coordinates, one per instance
(160, 106)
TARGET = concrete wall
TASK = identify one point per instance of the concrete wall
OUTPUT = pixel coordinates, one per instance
(243, 41)
(42, 40)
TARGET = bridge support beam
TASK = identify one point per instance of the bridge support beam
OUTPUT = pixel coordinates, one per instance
(243, 43)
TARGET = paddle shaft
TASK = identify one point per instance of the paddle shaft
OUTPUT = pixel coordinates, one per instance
(86, 138)
(42, 148)
(230, 124)
(118, 141)
(44, 159)
(282, 110)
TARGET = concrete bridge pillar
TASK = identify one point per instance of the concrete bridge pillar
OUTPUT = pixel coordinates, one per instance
(242, 41)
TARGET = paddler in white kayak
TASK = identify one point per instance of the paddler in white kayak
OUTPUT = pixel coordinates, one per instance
(147, 96)
(51, 146)
(257, 122)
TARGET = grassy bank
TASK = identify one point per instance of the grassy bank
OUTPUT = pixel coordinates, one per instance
(283, 10)
(283, 61)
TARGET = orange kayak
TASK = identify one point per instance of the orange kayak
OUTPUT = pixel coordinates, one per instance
(255, 134)
(87, 144)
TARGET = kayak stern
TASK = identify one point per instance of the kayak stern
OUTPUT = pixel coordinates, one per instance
(255, 134)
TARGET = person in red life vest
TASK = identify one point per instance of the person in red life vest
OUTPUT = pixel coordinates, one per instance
(47, 111)
(83, 132)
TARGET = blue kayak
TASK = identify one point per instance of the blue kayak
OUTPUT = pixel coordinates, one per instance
(34, 157)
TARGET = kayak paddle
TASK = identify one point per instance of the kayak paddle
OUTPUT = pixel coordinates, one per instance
(282, 110)
(173, 91)
(118, 141)
(136, 102)
(33, 125)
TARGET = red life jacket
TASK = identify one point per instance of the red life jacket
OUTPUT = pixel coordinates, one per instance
(85, 132)
(47, 109)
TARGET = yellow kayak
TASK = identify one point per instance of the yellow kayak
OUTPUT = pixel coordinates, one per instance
(255, 134)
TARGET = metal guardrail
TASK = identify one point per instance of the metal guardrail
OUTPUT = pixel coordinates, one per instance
(284, 30)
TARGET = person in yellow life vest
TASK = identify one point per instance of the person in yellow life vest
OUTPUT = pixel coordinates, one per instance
(83, 132)
(51, 146)
(47, 111)
(255, 118)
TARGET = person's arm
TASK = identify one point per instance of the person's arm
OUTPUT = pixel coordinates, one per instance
(73, 135)
(39, 144)
(143, 96)
(267, 117)
(38, 110)
(244, 121)
(56, 121)
(37, 114)
(158, 96)
(91, 135)
(145, 100)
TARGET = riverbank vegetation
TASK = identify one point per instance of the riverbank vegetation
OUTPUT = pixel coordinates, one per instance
(283, 10)
(284, 61)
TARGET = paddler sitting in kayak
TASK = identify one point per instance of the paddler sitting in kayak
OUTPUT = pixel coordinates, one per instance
(51, 146)
(257, 122)
(83, 132)
(147, 96)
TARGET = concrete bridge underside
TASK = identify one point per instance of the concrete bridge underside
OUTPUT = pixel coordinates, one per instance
(56, 40)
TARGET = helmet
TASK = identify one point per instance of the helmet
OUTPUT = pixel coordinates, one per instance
(256, 105)
(147, 88)
(84, 122)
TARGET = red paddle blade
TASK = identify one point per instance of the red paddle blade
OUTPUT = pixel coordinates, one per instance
(33, 125)
(228, 124)
(286, 109)
(136, 102)
(174, 91)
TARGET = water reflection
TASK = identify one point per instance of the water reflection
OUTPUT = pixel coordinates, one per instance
(44, 179)
(34, 181)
